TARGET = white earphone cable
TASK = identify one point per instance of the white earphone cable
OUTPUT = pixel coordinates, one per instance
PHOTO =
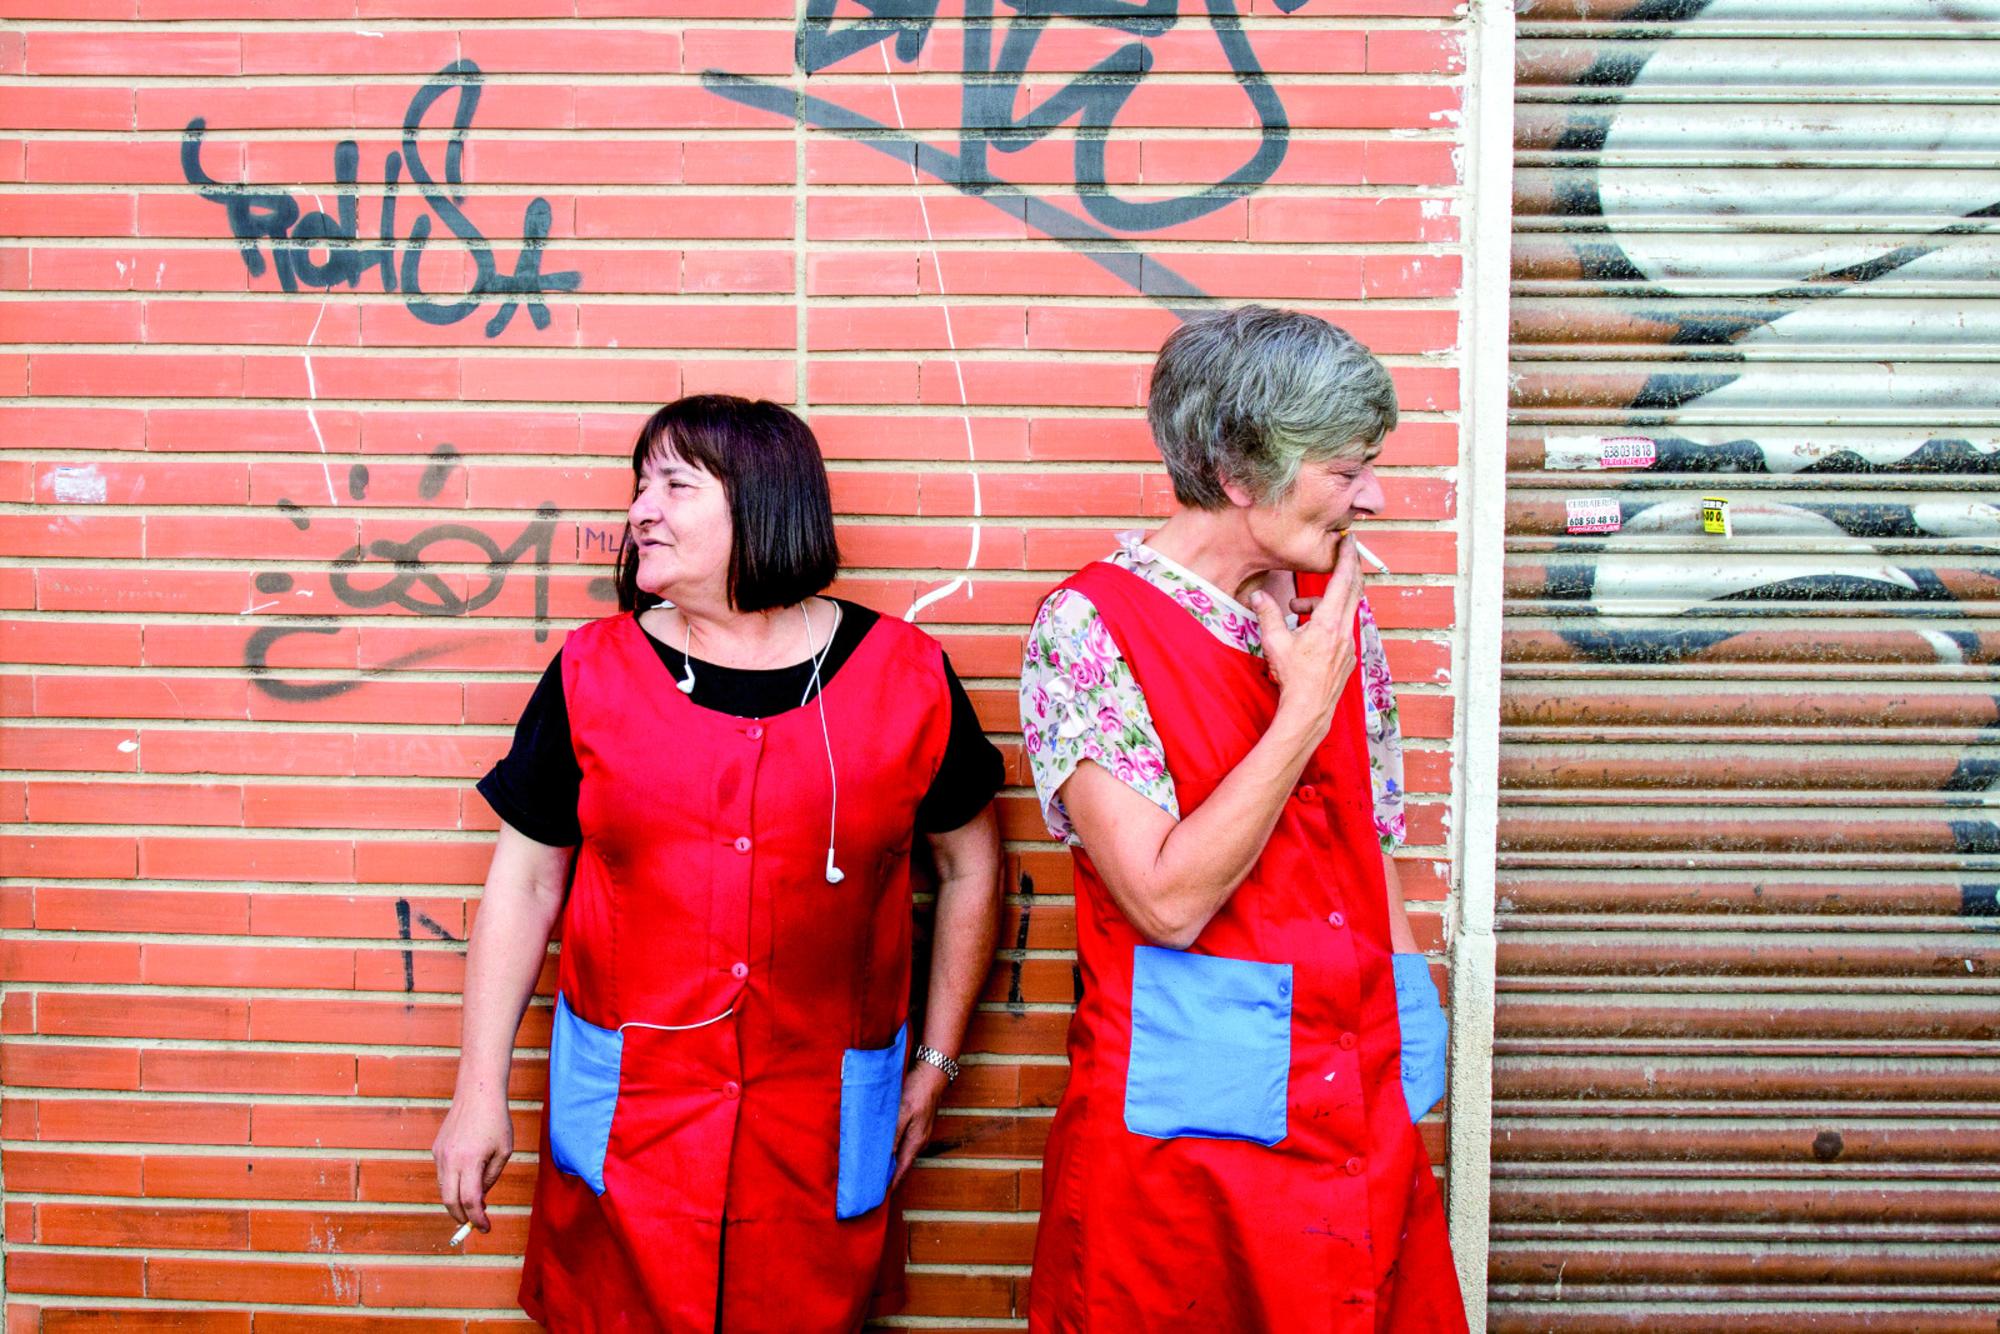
(818, 659)
(677, 1028)
(834, 875)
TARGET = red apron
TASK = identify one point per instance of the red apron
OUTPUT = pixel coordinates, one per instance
(1233, 1151)
(729, 1040)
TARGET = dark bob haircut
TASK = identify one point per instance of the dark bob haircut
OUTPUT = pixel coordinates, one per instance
(782, 548)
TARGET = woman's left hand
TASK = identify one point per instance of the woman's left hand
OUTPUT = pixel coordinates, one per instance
(923, 1089)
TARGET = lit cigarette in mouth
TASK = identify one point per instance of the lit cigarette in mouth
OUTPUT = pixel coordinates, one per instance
(464, 1231)
(1368, 555)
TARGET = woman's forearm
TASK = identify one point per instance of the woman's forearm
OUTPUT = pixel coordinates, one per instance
(510, 942)
(1170, 877)
(1209, 853)
(1402, 940)
(968, 920)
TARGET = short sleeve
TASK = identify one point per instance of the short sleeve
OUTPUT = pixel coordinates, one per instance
(1385, 736)
(971, 771)
(1080, 701)
(535, 785)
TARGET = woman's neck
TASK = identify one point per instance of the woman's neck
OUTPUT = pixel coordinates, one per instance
(1214, 545)
(717, 633)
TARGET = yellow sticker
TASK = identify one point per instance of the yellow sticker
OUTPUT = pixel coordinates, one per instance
(1715, 515)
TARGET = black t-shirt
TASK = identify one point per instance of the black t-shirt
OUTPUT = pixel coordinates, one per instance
(534, 786)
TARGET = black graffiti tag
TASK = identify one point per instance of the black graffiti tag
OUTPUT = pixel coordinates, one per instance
(1015, 1000)
(412, 585)
(260, 217)
(385, 571)
(991, 83)
(404, 913)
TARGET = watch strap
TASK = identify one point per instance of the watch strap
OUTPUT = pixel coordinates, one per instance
(932, 1056)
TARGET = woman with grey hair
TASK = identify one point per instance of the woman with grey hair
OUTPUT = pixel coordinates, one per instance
(1256, 1033)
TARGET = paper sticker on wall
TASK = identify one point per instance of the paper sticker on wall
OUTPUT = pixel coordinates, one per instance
(1590, 453)
(1626, 451)
(1715, 515)
(1593, 514)
(77, 486)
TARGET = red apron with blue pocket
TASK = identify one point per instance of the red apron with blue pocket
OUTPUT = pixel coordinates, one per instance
(730, 1029)
(1233, 1151)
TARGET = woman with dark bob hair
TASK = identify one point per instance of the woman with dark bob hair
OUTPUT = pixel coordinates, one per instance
(716, 792)
(1256, 1032)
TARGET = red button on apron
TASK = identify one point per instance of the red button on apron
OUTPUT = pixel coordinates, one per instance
(1354, 1167)
(733, 1089)
(739, 970)
(1308, 793)
(743, 845)
(1347, 1042)
(755, 733)
(1335, 919)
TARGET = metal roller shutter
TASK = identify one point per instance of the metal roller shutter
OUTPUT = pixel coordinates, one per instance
(1746, 1074)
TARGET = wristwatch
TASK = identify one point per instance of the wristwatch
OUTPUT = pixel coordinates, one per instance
(932, 1056)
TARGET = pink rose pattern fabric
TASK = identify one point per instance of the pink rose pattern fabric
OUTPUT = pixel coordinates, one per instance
(1079, 701)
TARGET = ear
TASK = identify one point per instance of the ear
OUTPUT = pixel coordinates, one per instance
(1238, 497)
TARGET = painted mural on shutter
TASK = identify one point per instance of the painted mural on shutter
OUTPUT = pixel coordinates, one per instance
(1747, 1074)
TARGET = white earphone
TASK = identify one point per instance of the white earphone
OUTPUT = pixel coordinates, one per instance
(686, 683)
(834, 875)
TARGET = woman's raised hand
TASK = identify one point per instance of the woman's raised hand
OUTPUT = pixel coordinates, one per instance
(1312, 663)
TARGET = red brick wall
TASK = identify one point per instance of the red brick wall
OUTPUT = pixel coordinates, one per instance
(240, 734)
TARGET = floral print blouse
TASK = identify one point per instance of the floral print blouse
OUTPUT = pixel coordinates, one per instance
(1080, 701)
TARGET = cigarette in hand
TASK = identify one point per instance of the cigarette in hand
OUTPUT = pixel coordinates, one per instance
(1368, 555)
(464, 1231)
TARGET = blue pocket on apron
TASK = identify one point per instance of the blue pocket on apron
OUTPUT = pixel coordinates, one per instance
(1211, 1047)
(583, 1093)
(1425, 1033)
(871, 1094)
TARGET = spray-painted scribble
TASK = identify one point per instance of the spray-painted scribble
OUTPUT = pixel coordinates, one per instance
(1015, 1000)
(405, 915)
(410, 584)
(1736, 349)
(258, 218)
(991, 84)
(385, 572)
(992, 81)
(1827, 253)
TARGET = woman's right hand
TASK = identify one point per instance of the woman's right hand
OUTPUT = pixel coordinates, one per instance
(472, 1147)
(1312, 663)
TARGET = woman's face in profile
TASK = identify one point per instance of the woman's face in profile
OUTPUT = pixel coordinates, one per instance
(1302, 530)
(680, 524)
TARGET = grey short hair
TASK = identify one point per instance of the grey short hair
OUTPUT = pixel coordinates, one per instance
(1247, 395)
